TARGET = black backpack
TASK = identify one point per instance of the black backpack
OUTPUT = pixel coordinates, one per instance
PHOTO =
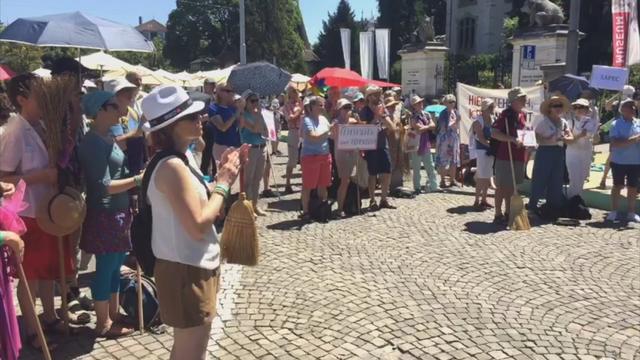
(351, 204)
(141, 225)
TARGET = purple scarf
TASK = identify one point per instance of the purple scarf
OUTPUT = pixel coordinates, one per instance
(421, 119)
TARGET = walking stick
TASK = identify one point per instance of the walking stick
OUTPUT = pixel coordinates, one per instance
(273, 170)
(63, 285)
(41, 338)
(358, 182)
(139, 289)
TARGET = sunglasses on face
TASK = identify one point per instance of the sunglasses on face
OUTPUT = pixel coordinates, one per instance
(226, 90)
(253, 101)
(557, 106)
(580, 107)
(110, 105)
(191, 117)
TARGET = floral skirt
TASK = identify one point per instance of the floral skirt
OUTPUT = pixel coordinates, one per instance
(448, 149)
(106, 231)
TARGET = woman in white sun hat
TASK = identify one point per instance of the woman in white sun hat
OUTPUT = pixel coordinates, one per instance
(580, 150)
(183, 238)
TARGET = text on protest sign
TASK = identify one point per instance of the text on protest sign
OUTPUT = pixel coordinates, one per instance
(357, 137)
(271, 124)
(609, 78)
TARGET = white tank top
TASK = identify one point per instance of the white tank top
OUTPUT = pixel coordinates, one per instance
(169, 239)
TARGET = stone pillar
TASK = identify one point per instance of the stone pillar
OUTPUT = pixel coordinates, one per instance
(534, 49)
(423, 70)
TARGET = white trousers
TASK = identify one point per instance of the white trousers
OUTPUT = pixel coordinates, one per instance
(578, 167)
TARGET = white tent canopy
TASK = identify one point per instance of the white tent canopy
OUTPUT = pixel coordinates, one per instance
(104, 62)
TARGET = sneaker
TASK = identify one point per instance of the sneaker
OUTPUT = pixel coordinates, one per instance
(613, 216)
(85, 303)
(288, 190)
(373, 206)
(633, 217)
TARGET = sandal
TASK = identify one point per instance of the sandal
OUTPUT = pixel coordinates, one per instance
(56, 327)
(34, 343)
(114, 331)
(304, 217)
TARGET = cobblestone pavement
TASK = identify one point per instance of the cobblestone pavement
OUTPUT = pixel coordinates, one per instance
(430, 280)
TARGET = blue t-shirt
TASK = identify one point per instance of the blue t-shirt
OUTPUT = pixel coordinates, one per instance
(314, 147)
(231, 137)
(249, 137)
(622, 129)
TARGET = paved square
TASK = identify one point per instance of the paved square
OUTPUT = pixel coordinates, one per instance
(430, 280)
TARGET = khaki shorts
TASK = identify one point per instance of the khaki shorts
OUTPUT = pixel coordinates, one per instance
(293, 142)
(187, 294)
(503, 173)
(346, 162)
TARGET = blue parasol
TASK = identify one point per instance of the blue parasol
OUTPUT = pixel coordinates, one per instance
(436, 109)
(76, 30)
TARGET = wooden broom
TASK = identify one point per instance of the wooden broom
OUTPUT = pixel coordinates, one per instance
(39, 332)
(240, 237)
(518, 216)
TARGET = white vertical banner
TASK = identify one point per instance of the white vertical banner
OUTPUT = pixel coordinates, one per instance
(383, 37)
(633, 35)
(366, 54)
(345, 37)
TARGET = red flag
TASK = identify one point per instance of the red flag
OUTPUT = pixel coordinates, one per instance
(620, 11)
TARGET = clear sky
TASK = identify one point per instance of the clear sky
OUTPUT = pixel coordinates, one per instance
(127, 11)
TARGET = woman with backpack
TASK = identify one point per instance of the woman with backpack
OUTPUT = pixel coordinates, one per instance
(105, 231)
(184, 208)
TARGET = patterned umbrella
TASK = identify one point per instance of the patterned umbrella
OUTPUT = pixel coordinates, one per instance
(262, 77)
(570, 86)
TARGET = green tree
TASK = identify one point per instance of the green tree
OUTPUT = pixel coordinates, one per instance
(329, 45)
(20, 58)
(210, 29)
(152, 60)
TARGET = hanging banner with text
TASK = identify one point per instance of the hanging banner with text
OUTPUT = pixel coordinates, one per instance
(345, 38)
(357, 137)
(620, 21)
(470, 97)
(609, 77)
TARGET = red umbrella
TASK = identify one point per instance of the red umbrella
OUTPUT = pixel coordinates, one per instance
(338, 77)
(383, 84)
(6, 73)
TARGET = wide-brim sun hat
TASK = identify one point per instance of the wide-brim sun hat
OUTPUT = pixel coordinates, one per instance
(581, 102)
(343, 102)
(165, 105)
(390, 101)
(516, 93)
(61, 213)
(556, 99)
(449, 98)
(118, 84)
(416, 99)
(372, 89)
(486, 103)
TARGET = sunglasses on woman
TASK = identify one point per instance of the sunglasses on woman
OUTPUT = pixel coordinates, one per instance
(253, 101)
(580, 107)
(110, 105)
(557, 106)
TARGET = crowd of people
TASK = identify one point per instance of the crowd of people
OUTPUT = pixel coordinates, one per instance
(121, 129)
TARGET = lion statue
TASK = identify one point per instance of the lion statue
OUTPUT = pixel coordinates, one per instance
(543, 12)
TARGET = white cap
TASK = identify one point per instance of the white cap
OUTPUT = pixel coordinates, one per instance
(118, 84)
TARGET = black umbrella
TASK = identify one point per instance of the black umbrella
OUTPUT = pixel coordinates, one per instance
(570, 86)
(261, 77)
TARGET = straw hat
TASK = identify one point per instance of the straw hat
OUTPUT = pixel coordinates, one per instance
(372, 89)
(515, 93)
(343, 102)
(449, 98)
(165, 105)
(486, 104)
(546, 105)
(390, 101)
(416, 99)
(62, 213)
